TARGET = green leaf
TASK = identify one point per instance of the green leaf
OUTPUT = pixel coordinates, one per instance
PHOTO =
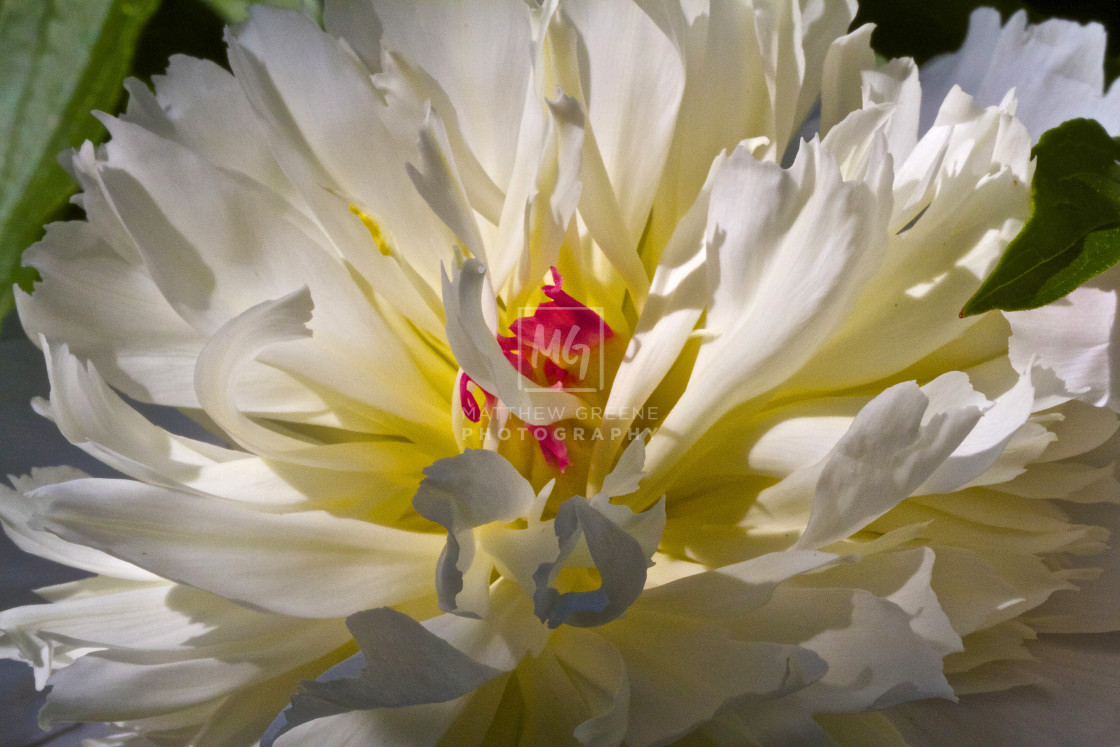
(1073, 233)
(233, 11)
(59, 60)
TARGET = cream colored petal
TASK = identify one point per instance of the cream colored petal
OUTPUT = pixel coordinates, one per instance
(634, 79)
(1001, 421)
(478, 54)
(902, 577)
(330, 566)
(681, 671)
(677, 298)
(604, 684)
(122, 684)
(109, 312)
(895, 443)
(263, 329)
(199, 104)
(1056, 69)
(970, 174)
(93, 417)
(1074, 338)
(17, 509)
(501, 641)
(874, 657)
(437, 180)
(400, 664)
(461, 494)
(1094, 606)
(542, 198)
(1076, 704)
(787, 252)
(349, 157)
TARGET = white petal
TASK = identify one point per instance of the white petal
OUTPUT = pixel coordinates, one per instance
(438, 181)
(619, 558)
(727, 592)
(235, 245)
(682, 670)
(261, 331)
(199, 104)
(970, 174)
(1094, 606)
(478, 54)
(17, 509)
(1074, 338)
(604, 683)
(987, 441)
(95, 418)
(725, 100)
(901, 577)
(677, 297)
(874, 657)
(330, 566)
(460, 494)
(646, 527)
(542, 197)
(1056, 69)
(895, 443)
(109, 312)
(1077, 705)
(401, 664)
(787, 253)
(634, 79)
(501, 641)
(124, 684)
(326, 123)
(793, 65)
(841, 88)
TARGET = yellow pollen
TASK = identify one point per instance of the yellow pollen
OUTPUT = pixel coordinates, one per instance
(374, 231)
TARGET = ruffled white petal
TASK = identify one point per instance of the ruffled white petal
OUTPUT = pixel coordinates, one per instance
(895, 443)
(804, 234)
(632, 87)
(401, 664)
(143, 678)
(475, 52)
(330, 567)
(1056, 69)
(461, 494)
(18, 508)
(1074, 337)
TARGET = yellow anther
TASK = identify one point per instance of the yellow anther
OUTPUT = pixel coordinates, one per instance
(374, 231)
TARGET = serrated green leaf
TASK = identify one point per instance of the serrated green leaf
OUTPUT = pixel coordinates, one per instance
(1073, 233)
(59, 60)
(233, 11)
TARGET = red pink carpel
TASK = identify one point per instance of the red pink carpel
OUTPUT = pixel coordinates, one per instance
(550, 347)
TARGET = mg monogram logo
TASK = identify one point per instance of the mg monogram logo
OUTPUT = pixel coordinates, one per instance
(567, 346)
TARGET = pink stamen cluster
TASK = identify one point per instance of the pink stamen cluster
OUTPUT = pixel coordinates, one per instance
(560, 318)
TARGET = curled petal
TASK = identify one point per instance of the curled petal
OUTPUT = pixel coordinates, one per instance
(619, 558)
(460, 494)
(401, 664)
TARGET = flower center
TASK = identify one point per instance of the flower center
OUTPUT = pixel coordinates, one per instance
(560, 345)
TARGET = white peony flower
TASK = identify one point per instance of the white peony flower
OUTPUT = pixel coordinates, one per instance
(560, 390)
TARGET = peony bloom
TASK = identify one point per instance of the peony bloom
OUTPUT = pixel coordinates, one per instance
(585, 371)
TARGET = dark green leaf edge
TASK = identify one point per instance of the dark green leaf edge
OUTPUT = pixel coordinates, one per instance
(1036, 270)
